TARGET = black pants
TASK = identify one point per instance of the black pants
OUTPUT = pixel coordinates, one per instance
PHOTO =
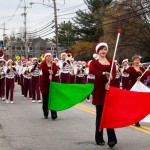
(99, 134)
(45, 107)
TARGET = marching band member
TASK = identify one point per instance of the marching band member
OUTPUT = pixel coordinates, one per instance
(35, 72)
(49, 70)
(125, 76)
(101, 68)
(10, 80)
(72, 74)
(65, 68)
(21, 78)
(2, 79)
(80, 72)
(57, 76)
(27, 80)
(134, 71)
(118, 75)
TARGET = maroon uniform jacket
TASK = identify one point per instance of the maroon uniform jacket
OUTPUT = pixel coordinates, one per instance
(96, 68)
(45, 76)
(133, 75)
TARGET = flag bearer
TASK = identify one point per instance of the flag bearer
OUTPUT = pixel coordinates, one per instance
(49, 70)
(101, 68)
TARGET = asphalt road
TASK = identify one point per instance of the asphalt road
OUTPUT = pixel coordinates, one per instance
(23, 127)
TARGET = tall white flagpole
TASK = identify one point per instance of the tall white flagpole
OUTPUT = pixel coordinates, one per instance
(118, 36)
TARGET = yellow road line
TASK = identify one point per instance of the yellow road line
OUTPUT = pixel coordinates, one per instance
(92, 111)
(140, 129)
(87, 110)
(145, 127)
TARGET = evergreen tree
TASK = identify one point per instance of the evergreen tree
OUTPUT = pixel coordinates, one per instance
(88, 24)
(66, 36)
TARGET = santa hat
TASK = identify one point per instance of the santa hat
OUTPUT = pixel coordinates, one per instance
(47, 54)
(63, 54)
(136, 57)
(115, 61)
(124, 60)
(9, 60)
(56, 58)
(95, 56)
(33, 58)
(24, 60)
(100, 45)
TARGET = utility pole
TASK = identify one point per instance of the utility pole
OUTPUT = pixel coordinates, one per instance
(10, 47)
(56, 27)
(25, 30)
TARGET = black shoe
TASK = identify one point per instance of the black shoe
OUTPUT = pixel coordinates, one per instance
(53, 115)
(45, 117)
(112, 144)
(137, 124)
(100, 143)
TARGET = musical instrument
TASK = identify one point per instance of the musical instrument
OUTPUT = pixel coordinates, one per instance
(18, 57)
(13, 64)
(39, 61)
(28, 73)
(83, 68)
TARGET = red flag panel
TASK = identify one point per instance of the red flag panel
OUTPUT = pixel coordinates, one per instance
(123, 108)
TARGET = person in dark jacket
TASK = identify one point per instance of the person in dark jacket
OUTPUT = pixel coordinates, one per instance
(49, 70)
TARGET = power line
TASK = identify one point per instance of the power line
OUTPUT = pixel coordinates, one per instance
(70, 8)
(14, 12)
(46, 26)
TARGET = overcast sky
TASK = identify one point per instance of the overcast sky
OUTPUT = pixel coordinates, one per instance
(37, 15)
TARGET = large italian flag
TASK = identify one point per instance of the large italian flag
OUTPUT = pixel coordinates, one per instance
(63, 96)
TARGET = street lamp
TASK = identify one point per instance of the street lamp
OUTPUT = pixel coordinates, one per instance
(56, 25)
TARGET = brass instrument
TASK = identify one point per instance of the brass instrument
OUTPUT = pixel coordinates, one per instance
(28, 73)
(39, 61)
(13, 64)
(69, 56)
(83, 67)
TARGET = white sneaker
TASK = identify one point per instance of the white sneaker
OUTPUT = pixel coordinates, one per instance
(11, 102)
(33, 101)
(7, 101)
(39, 101)
(3, 98)
(31, 98)
(88, 100)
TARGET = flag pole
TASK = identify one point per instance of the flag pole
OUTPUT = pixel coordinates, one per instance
(145, 71)
(118, 36)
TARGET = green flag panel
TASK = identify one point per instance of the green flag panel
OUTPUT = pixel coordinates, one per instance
(63, 96)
